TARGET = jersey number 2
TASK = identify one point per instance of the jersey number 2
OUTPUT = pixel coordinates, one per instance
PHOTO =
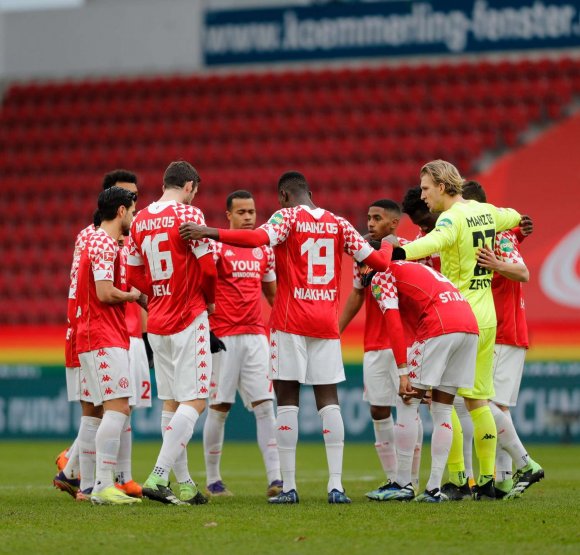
(314, 248)
(160, 263)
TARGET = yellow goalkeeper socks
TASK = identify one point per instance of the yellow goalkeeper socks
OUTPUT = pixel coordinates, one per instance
(485, 439)
(455, 462)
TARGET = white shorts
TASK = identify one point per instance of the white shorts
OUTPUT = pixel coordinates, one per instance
(183, 362)
(508, 368)
(447, 360)
(381, 378)
(307, 360)
(140, 378)
(73, 383)
(242, 367)
(107, 375)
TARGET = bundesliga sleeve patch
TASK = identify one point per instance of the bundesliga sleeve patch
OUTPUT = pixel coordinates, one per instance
(506, 245)
(376, 290)
(276, 219)
(444, 222)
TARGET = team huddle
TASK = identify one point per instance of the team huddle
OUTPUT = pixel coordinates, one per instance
(431, 336)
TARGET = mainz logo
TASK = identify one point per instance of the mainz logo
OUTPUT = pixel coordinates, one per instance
(124, 383)
(258, 254)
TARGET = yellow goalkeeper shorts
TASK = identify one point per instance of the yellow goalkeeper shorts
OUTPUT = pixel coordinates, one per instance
(483, 383)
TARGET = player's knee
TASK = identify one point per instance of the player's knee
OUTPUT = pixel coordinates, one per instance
(221, 407)
(380, 413)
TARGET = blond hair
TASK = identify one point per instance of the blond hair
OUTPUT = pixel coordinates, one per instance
(444, 172)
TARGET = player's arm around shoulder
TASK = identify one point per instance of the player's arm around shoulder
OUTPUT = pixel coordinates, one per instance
(354, 301)
(446, 231)
(505, 218)
(269, 276)
(506, 259)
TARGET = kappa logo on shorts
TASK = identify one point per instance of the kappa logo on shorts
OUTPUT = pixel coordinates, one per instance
(414, 363)
(103, 366)
(202, 389)
(273, 344)
(86, 393)
(325, 431)
(84, 380)
(106, 378)
(109, 391)
(203, 378)
(213, 384)
(201, 327)
(417, 352)
(447, 425)
(124, 383)
(202, 352)
(201, 339)
(101, 353)
(202, 364)
(285, 428)
(273, 356)
(412, 374)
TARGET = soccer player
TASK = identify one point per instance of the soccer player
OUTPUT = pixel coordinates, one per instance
(380, 375)
(304, 341)
(511, 343)
(102, 337)
(180, 278)
(442, 358)
(243, 275)
(80, 457)
(462, 228)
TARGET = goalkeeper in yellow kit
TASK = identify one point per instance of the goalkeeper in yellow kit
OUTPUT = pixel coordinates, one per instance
(462, 229)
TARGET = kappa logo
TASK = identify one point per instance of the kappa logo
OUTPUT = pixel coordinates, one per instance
(325, 431)
(108, 275)
(412, 375)
(488, 436)
(168, 428)
(447, 425)
(86, 393)
(101, 353)
(123, 383)
(106, 378)
(213, 384)
(203, 389)
(284, 428)
(202, 352)
(273, 356)
(417, 352)
(203, 378)
(109, 391)
(201, 339)
(103, 366)
(201, 328)
(414, 363)
(202, 364)
(273, 344)
(230, 252)
(84, 380)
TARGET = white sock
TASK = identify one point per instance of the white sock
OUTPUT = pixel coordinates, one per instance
(503, 465)
(213, 441)
(385, 446)
(416, 465)
(467, 427)
(88, 450)
(181, 467)
(266, 433)
(287, 438)
(441, 439)
(405, 439)
(333, 433)
(72, 468)
(177, 435)
(123, 471)
(507, 437)
(107, 443)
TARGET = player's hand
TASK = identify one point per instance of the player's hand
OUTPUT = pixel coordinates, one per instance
(393, 239)
(210, 308)
(215, 343)
(367, 277)
(190, 231)
(526, 225)
(486, 259)
(134, 295)
(406, 390)
(427, 399)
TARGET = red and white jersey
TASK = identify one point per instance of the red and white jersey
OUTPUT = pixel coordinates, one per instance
(308, 244)
(171, 264)
(430, 305)
(376, 335)
(238, 300)
(132, 310)
(508, 297)
(100, 325)
(80, 243)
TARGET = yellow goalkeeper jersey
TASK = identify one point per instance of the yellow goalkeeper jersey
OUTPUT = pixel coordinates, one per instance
(457, 236)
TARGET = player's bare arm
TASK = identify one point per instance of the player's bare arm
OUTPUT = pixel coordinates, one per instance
(109, 294)
(190, 231)
(269, 291)
(516, 272)
(353, 305)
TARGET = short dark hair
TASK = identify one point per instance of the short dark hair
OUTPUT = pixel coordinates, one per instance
(178, 174)
(412, 202)
(118, 176)
(109, 202)
(237, 194)
(387, 204)
(294, 182)
(472, 190)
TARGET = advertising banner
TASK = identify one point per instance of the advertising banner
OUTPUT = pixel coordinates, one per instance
(397, 28)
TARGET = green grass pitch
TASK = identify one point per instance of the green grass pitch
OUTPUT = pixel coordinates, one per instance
(35, 518)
